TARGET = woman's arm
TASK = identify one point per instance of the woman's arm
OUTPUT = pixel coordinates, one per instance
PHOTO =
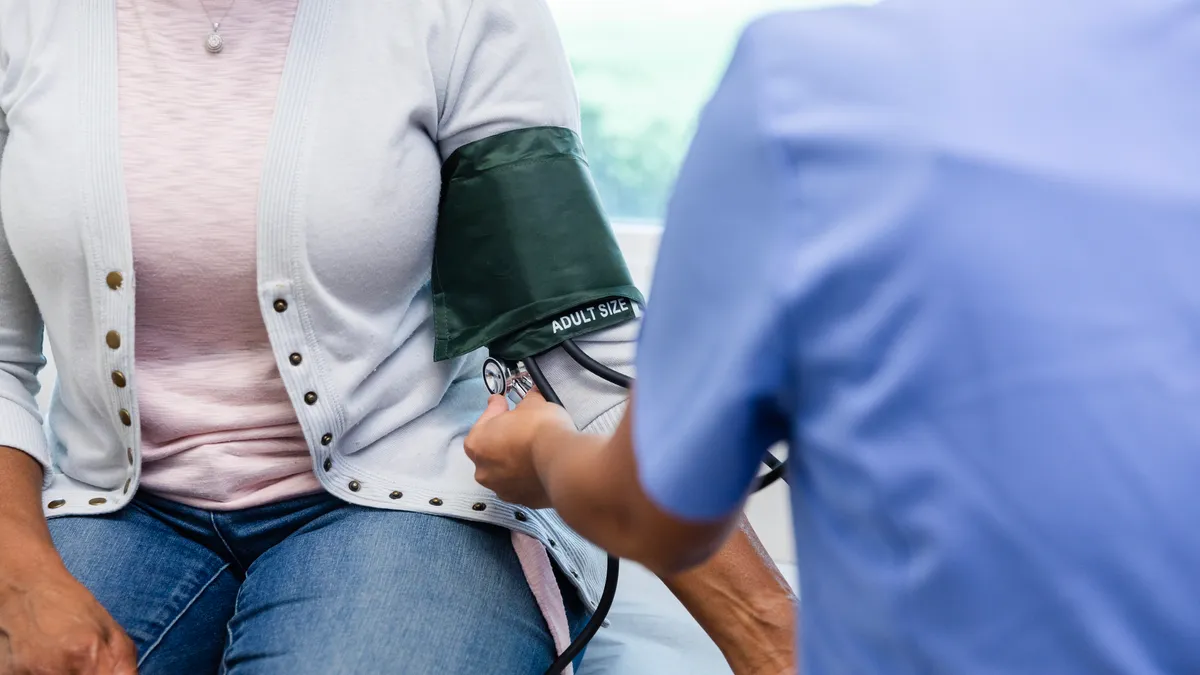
(20, 351)
(49, 623)
(24, 452)
(27, 543)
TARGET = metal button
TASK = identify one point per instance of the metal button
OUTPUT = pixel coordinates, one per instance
(435, 501)
(311, 398)
(125, 418)
(520, 515)
(281, 306)
(97, 501)
(296, 359)
(113, 339)
(114, 280)
(328, 464)
(479, 506)
(553, 544)
(355, 486)
(396, 495)
(128, 481)
(57, 503)
(326, 439)
(129, 454)
(118, 379)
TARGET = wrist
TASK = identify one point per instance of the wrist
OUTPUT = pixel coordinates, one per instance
(26, 550)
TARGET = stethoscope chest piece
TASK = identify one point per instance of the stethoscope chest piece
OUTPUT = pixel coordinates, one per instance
(495, 377)
(502, 380)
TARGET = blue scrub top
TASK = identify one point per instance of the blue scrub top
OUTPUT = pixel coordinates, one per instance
(950, 251)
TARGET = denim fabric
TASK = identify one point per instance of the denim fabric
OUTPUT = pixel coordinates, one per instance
(311, 586)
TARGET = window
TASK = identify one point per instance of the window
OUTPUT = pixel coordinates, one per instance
(644, 69)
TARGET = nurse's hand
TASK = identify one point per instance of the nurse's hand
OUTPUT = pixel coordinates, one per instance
(502, 445)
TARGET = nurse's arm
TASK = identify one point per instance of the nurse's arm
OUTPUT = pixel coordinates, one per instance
(744, 604)
(735, 593)
(592, 481)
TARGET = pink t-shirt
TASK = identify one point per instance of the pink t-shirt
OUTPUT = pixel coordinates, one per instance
(218, 430)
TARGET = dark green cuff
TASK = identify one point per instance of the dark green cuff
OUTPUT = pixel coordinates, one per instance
(521, 241)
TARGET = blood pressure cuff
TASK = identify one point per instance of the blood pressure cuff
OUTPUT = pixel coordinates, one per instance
(524, 258)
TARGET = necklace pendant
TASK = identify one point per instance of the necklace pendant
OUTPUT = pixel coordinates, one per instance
(214, 44)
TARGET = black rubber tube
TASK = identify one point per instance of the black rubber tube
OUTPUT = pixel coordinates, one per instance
(540, 381)
(595, 367)
(778, 469)
(593, 626)
(614, 565)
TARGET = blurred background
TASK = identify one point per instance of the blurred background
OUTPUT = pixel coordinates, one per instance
(644, 69)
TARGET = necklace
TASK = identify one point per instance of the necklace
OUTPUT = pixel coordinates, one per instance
(214, 43)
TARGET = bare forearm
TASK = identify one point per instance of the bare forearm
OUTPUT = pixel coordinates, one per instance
(26, 539)
(593, 483)
(744, 604)
(738, 596)
(572, 467)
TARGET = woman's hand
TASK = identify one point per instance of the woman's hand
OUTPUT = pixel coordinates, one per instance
(49, 623)
(503, 445)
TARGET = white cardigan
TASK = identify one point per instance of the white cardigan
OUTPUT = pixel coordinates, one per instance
(374, 96)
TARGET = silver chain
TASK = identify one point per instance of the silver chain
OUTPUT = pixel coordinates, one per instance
(215, 43)
(216, 24)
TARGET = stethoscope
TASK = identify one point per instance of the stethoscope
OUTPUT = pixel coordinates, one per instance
(514, 380)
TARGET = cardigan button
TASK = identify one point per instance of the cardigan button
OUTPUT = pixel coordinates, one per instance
(311, 398)
(296, 359)
(396, 495)
(114, 280)
(326, 439)
(435, 502)
(281, 306)
(126, 419)
(479, 506)
(355, 486)
(113, 339)
(328, 464)
(129, 454)
(118, 378)
(520, 515)
(97, 501)
(57, 504)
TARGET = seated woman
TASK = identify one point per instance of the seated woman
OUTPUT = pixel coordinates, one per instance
(246, 197)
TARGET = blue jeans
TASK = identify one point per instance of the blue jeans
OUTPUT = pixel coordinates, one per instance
(311, 586)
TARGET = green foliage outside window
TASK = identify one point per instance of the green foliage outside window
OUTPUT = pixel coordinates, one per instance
(644, 69)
